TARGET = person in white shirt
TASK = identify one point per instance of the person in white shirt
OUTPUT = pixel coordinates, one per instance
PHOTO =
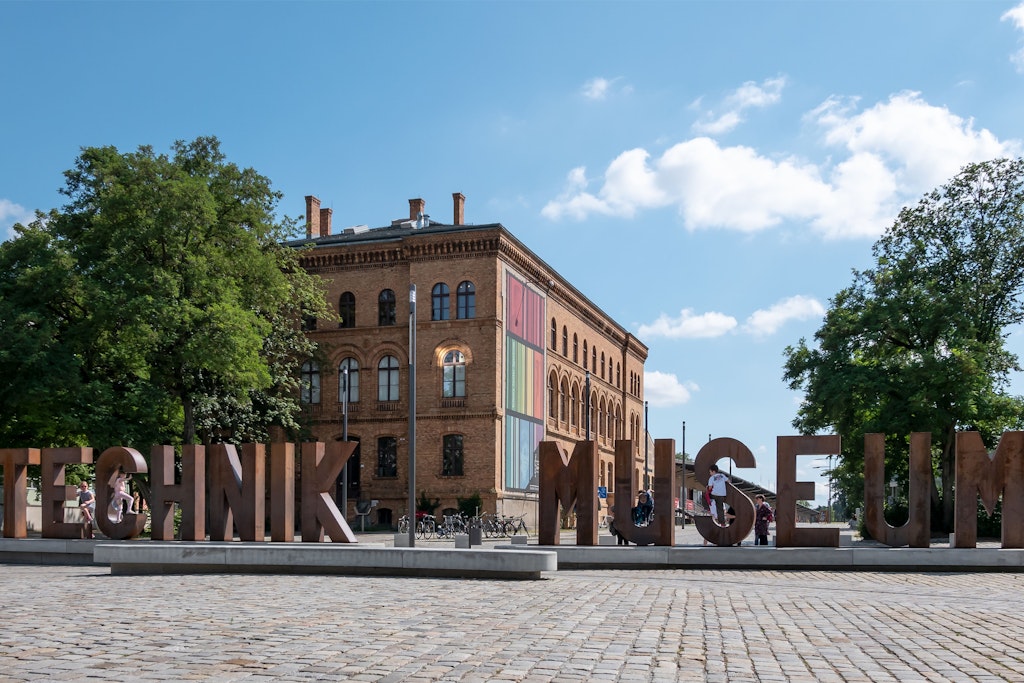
(717, 482)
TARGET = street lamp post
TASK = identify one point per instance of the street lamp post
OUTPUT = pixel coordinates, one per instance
(412, 416)
(587, 403)
(344, 437)
(647, 471)
(829, 514)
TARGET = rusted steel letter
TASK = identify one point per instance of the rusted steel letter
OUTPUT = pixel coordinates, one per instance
(15, 462)
(282, 492)
(661, 530)
(917, 531)
(321, 464)
(979, 474)
(790, 491)
(54, 493)
(190, 494)
(238, 492)
(131, 525)
(569, 480)
(741, 505)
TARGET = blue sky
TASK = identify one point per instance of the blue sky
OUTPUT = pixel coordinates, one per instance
(708, 173)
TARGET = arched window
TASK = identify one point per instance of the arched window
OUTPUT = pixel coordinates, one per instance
(618, 375)
(563, 403)
(593, 358)
(348, 375)
(565, 341)
(387, 456)
(575, 348)
(602, 365)
(554, 335)
(552, 406)
(439, 309)
(611, 477)
(452, 458)
(454, 378)
(386, 308)
(611, 364)
(387, 379)
(347, 310)
(465, 300)
(574, 407)
(584, 354)
(309, 384)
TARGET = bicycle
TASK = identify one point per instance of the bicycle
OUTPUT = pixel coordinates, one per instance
(513, 525)
(425, 526)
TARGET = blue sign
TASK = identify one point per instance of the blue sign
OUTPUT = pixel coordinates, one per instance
(602, 491)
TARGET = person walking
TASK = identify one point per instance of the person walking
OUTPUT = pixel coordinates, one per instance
(716, 484)
(763, 516)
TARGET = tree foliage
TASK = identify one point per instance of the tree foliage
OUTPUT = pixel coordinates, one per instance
(157, 306)
(917, 343)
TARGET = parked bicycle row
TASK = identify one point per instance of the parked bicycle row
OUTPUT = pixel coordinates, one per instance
(490, 524)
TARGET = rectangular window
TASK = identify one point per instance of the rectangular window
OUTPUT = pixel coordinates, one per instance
(387, 456)
(452, 458)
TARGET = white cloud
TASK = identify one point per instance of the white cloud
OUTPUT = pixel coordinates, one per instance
(596, 88)
(1016, 15)
(11, 213)
(762, 323)
(922, 144)
(890, 154)
(600, 88)
(664, 390)
(689, 326)
(747, 96)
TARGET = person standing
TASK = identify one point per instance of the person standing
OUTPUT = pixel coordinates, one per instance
(717, 482)
(763, 516)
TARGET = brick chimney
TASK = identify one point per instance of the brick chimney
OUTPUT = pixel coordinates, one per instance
(312, 216)
(460, 208)
(325, 222)
(416, 207)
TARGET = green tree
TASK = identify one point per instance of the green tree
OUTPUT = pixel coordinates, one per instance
(160, 301)
(917, 343)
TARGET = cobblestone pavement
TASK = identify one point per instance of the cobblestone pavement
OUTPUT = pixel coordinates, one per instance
(74, 623)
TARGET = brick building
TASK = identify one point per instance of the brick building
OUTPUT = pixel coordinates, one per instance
(504, 346)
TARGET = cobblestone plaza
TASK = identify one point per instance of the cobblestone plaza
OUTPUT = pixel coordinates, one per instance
(81, 623)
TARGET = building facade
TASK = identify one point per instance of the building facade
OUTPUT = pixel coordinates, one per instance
(505, 352)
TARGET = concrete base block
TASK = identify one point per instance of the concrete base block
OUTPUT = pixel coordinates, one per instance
(845, 541)
(461, 540)
(520, 540)
(154, 557)
(401, 540)
(606, 539)
(476, 536)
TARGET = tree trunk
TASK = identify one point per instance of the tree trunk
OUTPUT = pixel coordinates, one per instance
(188, 432)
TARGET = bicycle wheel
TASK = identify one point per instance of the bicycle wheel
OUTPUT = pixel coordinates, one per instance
(403, 525)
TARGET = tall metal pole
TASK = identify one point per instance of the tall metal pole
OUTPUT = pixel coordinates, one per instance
(412, 416)
(344, 437)
(684, 441)
(647, 470)
(587, 403)
(829, 515)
